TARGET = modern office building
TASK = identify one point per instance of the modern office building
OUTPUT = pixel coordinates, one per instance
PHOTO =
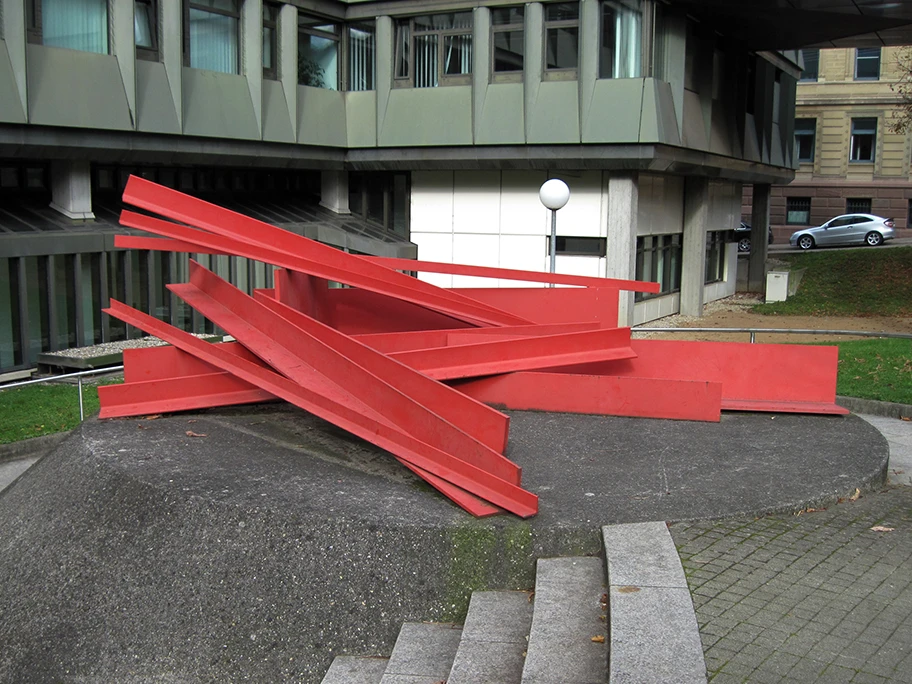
(849, 159)
(395, 127)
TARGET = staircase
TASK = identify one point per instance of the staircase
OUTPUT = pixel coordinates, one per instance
(559, 634)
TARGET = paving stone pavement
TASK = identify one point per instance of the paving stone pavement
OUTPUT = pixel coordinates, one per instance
(816, 597)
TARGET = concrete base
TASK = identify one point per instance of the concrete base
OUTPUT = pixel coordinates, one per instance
(258, 543)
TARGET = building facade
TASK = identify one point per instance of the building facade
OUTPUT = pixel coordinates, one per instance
(849, 159)
(395, 127)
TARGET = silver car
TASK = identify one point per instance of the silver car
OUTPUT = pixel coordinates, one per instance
(848, 229)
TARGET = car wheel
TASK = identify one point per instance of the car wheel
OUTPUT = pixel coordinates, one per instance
(805, 242)
(744, 245)
(874, 238)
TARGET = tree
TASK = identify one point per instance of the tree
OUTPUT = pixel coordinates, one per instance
(901, 119)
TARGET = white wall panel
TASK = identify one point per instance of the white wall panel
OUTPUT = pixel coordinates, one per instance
(661, 204)
(476, 207)
(432, 202)
(581, 216)
(580, 265)
(521, 212)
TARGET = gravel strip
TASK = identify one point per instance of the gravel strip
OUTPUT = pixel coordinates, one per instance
(114, 347)
(735, 302)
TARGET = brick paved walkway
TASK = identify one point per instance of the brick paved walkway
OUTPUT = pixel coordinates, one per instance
(817, 597)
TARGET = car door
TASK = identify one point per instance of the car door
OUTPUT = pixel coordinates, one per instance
(838, 230)
(856, 230)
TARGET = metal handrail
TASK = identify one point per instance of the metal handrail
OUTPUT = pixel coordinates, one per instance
(782, 331)
(57, 378)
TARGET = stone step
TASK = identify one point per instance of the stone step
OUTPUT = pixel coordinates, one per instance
(654, 634)
(355, 670)
(567, 639)
(494, 639)
(423, 654)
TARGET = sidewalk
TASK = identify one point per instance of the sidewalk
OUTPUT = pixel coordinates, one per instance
(817, 597)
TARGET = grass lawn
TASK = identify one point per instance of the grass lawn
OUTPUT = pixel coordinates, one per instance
(44, 409)
(849, 282)
(875, 369)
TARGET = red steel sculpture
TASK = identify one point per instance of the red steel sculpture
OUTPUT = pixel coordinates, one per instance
(414, 368)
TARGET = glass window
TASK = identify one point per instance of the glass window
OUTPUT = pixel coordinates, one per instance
(145, 29)
(382, 198)
(805, 139)
(507, 38)
(561, 35)
(867, 64)
(811, 69)
(212, 35)
(434, 49)
(579, 246)
(361, 57)
(858, 205)
(270, 41)
(658, 260)
(74, 24)
(620, 49)
(864, 137)
(798, 211)
(318, 53)
(715, 256)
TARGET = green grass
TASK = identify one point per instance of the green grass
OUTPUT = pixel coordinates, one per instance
(853, 282)
(875, 369)
(37, 410)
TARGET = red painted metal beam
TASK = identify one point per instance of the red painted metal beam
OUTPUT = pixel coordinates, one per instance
(553, 304)
(162, 245)
(529, 353)
(599, 395)
(305, 355)
(426, 339)
(455, 471)
(353, 269)
(488, 426)
(513, 274)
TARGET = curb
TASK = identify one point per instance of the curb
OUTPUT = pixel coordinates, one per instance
(31, 448)
(871, 407)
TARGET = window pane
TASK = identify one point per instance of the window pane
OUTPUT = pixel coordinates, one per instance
(426, 61)
(143, 25)
(75, 24)
(213, 41)
(457, 55)
(867, 63)
(318, 61)
(562, 49)
(400, 205)
(798, 210)
(811, 64)
(508, 51)
(268, 48)
(562, 11)
(361, 58)
(619, 53)
(403, 42)
(507, 15)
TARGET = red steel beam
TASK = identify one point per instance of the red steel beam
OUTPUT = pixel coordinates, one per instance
(353, 269)
(455, 471)
(599, 395)
(488, 426)
(529, 353)
(299, 354)
(513, 274)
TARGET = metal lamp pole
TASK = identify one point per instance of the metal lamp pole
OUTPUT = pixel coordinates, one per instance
(554, 194)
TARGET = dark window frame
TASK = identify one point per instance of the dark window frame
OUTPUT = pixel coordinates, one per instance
(33, 24)
(361, 184)
(795, 205)
(865, 57)
(271, 24)
(858, 205)
(347, 58)
(549, 25)
(148, 53)
(190, 4)
(315, 29)
(669, 244)
(808, 76)
(611, 6)
(808, 133)
(405, 36)
(507, 27)
(861, 129)
(716, 256)
(578, 245)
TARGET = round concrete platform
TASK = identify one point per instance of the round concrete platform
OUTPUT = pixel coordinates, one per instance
(256, 543)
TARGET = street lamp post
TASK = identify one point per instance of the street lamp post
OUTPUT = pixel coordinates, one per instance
(554, 194)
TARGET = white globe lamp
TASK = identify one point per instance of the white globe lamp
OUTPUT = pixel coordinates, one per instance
(554, 194)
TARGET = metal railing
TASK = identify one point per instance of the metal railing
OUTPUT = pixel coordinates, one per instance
(782, 331)
(58, 378)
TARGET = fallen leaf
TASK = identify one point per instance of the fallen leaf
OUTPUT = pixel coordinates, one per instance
(191, 433)
(628, 590)
(810, 510)
(882, 528)
(599, 639)
(154, 416)
(905, 417)
(856, 496)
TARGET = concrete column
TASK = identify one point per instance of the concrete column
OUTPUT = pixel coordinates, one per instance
(71, 188)
(481, 74)
(693, 245)
(588, 57)
(533, 60)
(123, 47)
(252, 54)
(760, 218)
(171, 50)
(334, 191)
(287, 31)
(384, 58)
(620, 259)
